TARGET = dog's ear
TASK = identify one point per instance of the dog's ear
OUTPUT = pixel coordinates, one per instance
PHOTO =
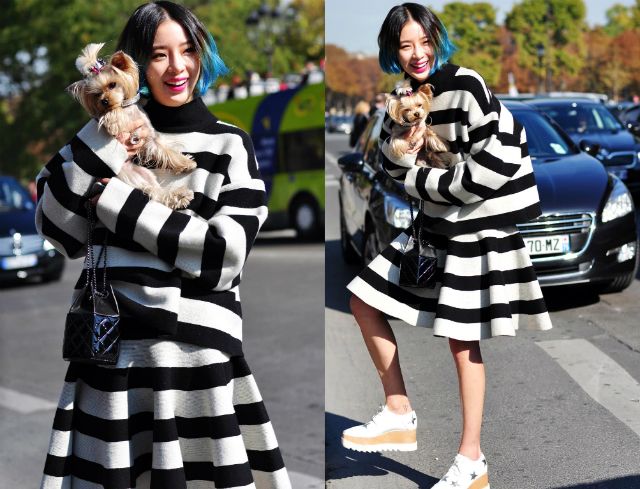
(392, 103)
(425, 89)
(124, 62)
(76, 89)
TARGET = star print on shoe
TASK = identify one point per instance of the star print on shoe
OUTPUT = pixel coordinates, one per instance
(386, 431)
(465, 474)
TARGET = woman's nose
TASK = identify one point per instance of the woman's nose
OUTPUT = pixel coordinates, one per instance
(176, 63)
(418, 51)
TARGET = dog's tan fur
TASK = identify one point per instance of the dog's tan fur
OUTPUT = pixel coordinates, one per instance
(410, 109)
(101, 93)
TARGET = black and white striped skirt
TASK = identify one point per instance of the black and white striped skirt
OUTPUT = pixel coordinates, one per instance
(486, 287)
(169, 415)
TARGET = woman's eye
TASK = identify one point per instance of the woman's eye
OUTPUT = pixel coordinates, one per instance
(190, 50)
(157, 55)
(112, 85)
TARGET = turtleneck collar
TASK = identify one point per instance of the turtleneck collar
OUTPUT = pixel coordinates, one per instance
(434, 79)
(188, 117)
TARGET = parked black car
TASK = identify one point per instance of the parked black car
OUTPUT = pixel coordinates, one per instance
(340, 123)
(590, 123)
(586, 234)
(630, 117)
(23, 253)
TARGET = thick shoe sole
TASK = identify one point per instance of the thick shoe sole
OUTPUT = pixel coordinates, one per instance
(481, 482)
(401, 441)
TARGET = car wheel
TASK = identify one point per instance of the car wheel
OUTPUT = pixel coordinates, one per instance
(349, 254)
(370, 249)
(618, 284)
(305, 218)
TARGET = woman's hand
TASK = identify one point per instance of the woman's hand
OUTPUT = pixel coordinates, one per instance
(134, 138)
(415, 135)
(97, 189)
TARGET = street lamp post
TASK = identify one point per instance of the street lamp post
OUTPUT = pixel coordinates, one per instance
(265, 25)
(540, 51)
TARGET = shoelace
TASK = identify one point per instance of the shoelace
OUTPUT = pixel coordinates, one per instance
(377, 415)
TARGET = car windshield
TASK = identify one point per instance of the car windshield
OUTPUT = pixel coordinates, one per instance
(13, 196)
(582, 118)
(543, 140)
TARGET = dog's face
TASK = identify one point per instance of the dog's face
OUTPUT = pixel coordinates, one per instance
(106, 87)
(409, 108)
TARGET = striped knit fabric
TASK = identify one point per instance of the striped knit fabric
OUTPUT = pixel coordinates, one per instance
(184, 411)
(486, 283)
(169, 414)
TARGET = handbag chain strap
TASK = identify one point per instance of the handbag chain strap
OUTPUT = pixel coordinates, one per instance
(417, 237)
(90, 258)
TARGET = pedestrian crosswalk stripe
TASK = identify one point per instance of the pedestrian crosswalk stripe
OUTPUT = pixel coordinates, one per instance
(23, 403)
(600, 377)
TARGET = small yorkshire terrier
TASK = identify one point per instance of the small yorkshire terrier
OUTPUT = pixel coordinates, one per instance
(109, 92)
(408, 109)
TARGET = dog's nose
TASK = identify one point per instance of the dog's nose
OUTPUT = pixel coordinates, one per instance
(416, 113)
(104, 102)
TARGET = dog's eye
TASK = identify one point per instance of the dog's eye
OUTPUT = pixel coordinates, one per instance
(112, 85)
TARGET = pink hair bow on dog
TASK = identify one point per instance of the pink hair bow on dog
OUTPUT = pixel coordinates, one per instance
(97, 68)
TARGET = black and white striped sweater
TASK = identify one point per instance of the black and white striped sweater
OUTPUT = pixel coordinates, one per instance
(492, 184)
(175, 273)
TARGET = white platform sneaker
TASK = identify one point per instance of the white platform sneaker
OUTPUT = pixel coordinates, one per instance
(385, 431)
(465, 474)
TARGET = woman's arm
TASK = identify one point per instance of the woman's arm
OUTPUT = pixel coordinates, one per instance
(212, 249)
(493, 153)
(64, 182)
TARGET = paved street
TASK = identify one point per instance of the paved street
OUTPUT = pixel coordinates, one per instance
(562, 410)
(283, 344)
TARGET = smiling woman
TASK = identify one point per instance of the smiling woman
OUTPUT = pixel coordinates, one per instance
(180, 408)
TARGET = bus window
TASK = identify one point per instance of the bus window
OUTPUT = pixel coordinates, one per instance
(302, 150)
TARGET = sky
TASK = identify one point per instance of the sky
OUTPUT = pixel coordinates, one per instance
(354, 24)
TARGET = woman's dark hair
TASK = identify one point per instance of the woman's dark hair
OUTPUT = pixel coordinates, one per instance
(389, 37)
(137, 40)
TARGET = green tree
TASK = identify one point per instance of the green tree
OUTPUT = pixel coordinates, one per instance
(619, 19)
(40, 39)
(473, 29)
(556, 25)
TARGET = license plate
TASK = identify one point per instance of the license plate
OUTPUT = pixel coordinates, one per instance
(21, 261)
(548, 245)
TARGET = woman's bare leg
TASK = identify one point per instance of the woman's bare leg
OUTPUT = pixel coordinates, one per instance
(471, 378)
(383, 349)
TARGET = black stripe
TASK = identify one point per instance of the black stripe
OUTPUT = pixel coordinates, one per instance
(515, 185)
(245, 198)
(204, 205)
(93, 472)
(485, 245)
(444, 184)
(494, 277)
(209, 337)
(492, 311)
(449, 116)
(86, 159)
(474, 187)
(266, 461)
(252, 414)
(212, 258)
(130, 212)
(385, 287)
(157, 378)
(72, 246)
(510, 218)
(225, 476)
(169, 236)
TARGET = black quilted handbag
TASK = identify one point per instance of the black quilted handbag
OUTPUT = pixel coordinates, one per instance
(419, 260)
(91, 333)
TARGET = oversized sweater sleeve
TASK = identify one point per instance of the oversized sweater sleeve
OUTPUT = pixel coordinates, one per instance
(493, 155)
(65, 180)
(212, 249)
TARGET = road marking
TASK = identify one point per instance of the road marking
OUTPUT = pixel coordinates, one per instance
(23, 403)
(304, 481)
(600, 377)
(331, 159)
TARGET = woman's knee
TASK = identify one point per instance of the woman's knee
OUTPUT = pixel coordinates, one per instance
(361, 309)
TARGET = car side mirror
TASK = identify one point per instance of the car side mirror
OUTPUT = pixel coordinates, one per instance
(352, 162)
(589, 147)
(634, 128)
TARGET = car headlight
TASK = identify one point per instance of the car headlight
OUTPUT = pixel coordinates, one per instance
(397, 212)
(619, 203)
(46, 246)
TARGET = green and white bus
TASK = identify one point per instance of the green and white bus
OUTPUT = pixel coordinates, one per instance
(287, 129)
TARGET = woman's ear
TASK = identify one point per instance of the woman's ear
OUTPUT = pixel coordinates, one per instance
(124, 62)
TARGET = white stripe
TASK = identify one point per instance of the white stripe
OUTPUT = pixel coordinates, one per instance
(23, 403)
(166, 298)
(259, 437)
(149, 224)
(235, 249)
(600, 377)
(278, 479)
(211, 315)
(105, 146)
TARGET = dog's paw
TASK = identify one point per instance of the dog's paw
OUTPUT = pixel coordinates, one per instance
(181, 198)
